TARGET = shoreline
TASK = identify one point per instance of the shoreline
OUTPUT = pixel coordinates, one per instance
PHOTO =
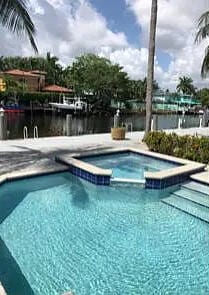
(108, 112)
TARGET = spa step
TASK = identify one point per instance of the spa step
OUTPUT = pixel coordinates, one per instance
(196, 186)
(128, 180)
(193, 196)
(187, 206)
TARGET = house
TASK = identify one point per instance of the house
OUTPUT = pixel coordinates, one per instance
(34, 80)
(2, 85)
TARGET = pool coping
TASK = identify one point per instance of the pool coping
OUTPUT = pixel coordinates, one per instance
(85, 170)
(2, 290)
(73, 163)
(202, 177)
(18, 175)
(153, 180)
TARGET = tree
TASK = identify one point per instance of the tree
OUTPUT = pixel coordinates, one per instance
(203, 96)
(150, 68)
(185, 86)
(96, 76)
(137, 89)
(53, 69)
(13, 86)
(15, 17)
(203, 33)
(49, 64)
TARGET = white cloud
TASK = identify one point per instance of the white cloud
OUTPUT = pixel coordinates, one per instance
(177, 21)
(35, 7)
(68, 28)
(133, 60)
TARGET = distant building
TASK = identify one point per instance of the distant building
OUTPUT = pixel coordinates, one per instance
(2, 85)
(56, 89)
(34, 80)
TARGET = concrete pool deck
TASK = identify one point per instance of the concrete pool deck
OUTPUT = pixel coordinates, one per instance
(37, 155)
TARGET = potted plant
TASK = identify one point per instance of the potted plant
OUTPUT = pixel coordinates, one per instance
(118, 132)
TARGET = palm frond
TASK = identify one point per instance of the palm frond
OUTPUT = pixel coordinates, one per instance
(15, 17)
(203, 27)
(205, 64)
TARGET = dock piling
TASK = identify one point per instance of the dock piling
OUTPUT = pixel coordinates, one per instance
(201, 119)
(3, 128)
(68, 125)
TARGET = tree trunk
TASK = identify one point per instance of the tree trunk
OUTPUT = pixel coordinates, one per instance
(150, 68)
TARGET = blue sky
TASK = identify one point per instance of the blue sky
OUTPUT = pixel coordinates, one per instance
(118, 30)
(121, 19)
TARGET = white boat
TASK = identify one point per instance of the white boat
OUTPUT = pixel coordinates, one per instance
(71, 104)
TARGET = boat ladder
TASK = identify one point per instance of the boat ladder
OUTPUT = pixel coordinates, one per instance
(25, 132)
(35, 132)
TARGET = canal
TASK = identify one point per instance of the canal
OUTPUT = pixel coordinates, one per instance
(55, 125)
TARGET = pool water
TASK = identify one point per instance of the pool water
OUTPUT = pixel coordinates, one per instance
(129, 165)
(60, 233)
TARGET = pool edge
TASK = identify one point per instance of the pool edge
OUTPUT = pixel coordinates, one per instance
(153, 180)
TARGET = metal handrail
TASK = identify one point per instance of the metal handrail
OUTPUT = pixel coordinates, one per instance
(35, 132)
(25, 132)
(129, 124)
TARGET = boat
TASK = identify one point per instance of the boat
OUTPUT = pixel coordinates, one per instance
(12, 108)
(74, 104)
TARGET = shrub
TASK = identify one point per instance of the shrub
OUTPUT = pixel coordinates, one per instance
(188, 147)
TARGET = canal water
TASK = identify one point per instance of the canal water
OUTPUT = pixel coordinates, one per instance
(55, 124)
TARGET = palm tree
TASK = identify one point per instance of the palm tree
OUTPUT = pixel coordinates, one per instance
(203, 33)
(15, 17)
(150, 69)
(185, 85)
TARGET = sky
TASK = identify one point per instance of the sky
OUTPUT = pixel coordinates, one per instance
(118, 30)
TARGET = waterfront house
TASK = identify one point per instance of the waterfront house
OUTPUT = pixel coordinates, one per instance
(34, 80)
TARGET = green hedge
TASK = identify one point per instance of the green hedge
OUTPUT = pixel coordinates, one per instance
(188, 147)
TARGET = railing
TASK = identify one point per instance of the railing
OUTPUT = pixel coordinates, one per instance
(129, 124)
(25, 132)
(35, 132)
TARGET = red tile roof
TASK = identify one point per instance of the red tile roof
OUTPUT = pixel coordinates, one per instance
(38, 72)
(56, 88)
(20, 73)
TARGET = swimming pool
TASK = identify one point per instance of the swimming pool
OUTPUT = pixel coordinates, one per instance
(129, 164)
(60, 233)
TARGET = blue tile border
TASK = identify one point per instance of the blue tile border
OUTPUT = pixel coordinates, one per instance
(152, 183)
(93, 178)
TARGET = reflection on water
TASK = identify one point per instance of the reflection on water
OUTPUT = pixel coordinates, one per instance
(54, 125)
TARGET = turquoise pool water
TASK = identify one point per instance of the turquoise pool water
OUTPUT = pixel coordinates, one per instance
(61, 233)
(129, 165)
